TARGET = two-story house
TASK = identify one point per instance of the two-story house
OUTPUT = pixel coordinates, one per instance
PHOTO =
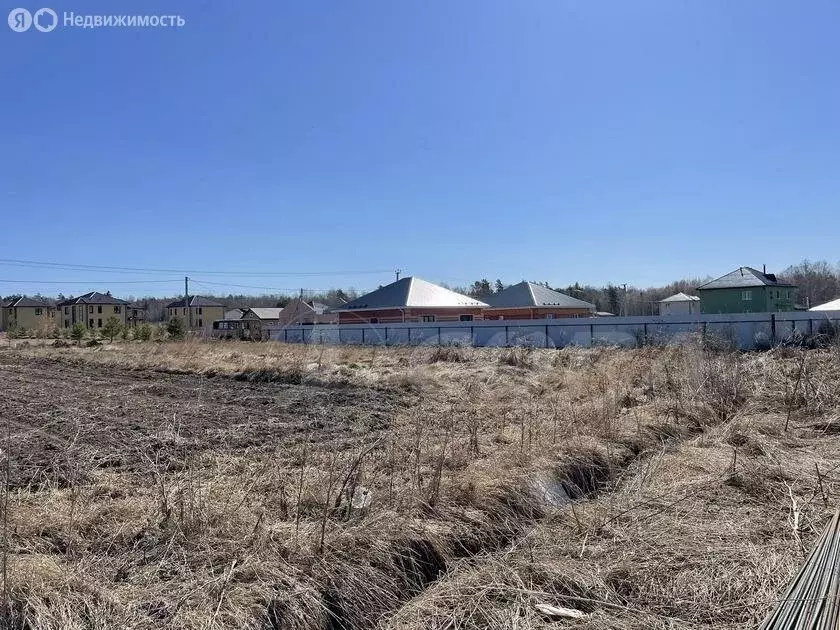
(92, 310)
(746, 290)
(25, 313)
(197, 313)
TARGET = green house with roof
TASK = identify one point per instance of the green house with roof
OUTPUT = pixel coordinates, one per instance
(746, 290)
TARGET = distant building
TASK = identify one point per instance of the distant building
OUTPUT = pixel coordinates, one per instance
(94, 309)
(200, 314)
(230, 326)
(135, 315)
(680, 304)
(834, 305)
(256, 319)
(27, 314)
(746, 290)
(527, 300)
(300, 311)
(410, 299)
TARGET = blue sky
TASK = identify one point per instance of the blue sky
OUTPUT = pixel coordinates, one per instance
(634, 142)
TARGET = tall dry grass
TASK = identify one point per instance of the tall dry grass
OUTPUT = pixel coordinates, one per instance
(643, 487)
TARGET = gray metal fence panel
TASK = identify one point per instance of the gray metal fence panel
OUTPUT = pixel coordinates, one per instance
(743, 330)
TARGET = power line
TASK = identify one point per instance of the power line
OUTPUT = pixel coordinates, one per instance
(86, 281)
(210, 286)
(14, 262)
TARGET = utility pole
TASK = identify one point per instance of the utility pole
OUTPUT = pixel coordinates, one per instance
(187, 301)
(624, 301)
(398, 272)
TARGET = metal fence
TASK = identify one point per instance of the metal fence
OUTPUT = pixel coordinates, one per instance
(743, 330)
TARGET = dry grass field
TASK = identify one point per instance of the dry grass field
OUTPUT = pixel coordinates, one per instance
(203, 485)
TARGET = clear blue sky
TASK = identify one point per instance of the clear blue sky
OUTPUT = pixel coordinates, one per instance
(555, 140)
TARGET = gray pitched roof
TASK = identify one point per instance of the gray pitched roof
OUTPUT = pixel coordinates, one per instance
(24, 301)
(265, 312)
(528, 294)
(196, 300)
(409, 292)
(94, 297)
(742, 278)
(680, 297)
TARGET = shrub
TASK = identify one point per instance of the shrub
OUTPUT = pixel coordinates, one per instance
(112, 328)
(175, 328)
(77, 333)
(143, 332)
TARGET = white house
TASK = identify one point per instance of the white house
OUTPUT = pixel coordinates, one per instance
(680, 304)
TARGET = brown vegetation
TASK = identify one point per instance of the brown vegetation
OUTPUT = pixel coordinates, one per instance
(234, 485)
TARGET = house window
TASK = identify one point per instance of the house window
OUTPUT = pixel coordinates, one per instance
(37, 311)
(199, 310)
(428, 318)
(66, 311)
(99, 323)
(98, 309)
(746, 296)
(200, 324)
(117, 309)
(90, 310)
(466, 318)
(550, 315)
(90, 322)
(67, 323)
(374, 320)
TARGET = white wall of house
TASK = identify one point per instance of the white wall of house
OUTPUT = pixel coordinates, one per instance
(690, 307)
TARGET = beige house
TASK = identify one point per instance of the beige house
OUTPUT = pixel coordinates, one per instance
(199, 315)
(300, 311)
(25, 313)
(93, 310)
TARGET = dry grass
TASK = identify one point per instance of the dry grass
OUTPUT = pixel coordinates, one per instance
(650, 488)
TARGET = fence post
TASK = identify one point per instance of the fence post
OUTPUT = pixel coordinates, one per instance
(773, 329)
(339, 335)
(386, 336)
(285, 335)
(645, 340)
(507, 341)
(546, 335)
(439, 341)
(472, 335)
(409, 335)
(363, 336)
(591, 334)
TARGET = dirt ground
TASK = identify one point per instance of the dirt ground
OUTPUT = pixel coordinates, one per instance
(114, 418)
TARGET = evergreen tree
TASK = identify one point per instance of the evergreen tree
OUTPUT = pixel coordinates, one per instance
(175, 328)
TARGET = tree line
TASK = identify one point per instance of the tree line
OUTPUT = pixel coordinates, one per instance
(817, 282)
